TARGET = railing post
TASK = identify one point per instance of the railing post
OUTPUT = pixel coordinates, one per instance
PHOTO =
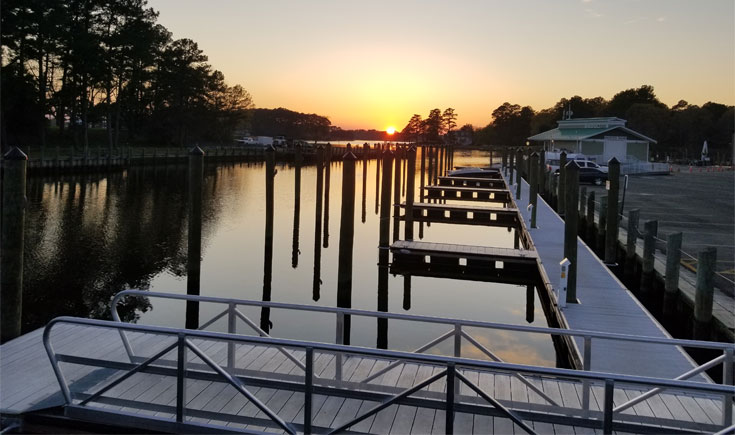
(308, 389)
(231, 329)
(339, 340)
(607, 408)
(449, 422)
(587, 363)
(181, 380)
(727, 379)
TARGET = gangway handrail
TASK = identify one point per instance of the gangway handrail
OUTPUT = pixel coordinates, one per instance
(184, 337)
(428, 319)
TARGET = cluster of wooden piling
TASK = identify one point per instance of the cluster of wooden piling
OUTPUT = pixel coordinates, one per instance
(562, 192)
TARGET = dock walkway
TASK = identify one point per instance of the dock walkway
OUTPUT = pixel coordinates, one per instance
(148, 399)
(604, 304)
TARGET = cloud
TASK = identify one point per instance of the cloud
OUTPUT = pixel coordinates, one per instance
(660, 19)
(593, 13)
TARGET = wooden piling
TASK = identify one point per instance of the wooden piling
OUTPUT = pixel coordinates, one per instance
(533, 186)
(561, 203)
(541, 179)
(327, 177)
(671, 281)
(570, 228)
(346, 238)
(611, 230)
(519, 166)
(411, 181)
(396, 195)
(296, 207)
(270, 175)
(317, 279)
(11, 249)
(650, 229)
(601, 225)
(582, 210)
(365, 151)
(703, 298)
(591, 218)
(383, 247)
(630, 243)
(194, 245)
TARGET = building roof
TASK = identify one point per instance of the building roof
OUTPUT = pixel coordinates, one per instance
(586, 128)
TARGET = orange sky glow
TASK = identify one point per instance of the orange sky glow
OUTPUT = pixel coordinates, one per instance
(374, 64)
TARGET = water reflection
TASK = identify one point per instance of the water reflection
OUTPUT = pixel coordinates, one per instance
(130, 230)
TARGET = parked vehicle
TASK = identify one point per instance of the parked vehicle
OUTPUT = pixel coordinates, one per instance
(590, 174)
(257, 141)
(552, 161)
(279, 141)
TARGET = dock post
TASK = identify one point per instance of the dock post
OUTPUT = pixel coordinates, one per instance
(673, 259)
(396, 195)
(541, 181)
(410, 182)
(346, 239)
(650, 229)
(611, 231)
(519, 165)
(11, 249)
(591, 218)
(327, 176)
(383, 248)
(296, 207)
(504, 159)
(632, 237)
(561, 203)
(602, 225)
(377, 178)
(510, 168)
(582, 210)
(553, 188)
(318, 224)
(194, 246)
(570, 229)
(270, 175)
(533, 186)
(365, 152)
(703, 298)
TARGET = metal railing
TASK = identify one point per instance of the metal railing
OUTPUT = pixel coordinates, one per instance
(448, 400)
(457, 332)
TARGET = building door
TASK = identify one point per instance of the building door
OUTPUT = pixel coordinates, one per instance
(615, 147)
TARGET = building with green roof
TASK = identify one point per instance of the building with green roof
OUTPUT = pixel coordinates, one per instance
(598, 138)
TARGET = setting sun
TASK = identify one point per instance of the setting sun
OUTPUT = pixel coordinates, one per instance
(390, 130)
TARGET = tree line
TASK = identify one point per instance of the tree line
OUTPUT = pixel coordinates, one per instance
(71, 65)
(436, 127)
(680, 130)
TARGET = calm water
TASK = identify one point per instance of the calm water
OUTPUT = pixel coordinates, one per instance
(90, 236)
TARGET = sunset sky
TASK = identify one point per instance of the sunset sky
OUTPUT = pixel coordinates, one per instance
(372, 64)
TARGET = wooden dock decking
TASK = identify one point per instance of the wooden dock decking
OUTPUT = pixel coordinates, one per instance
(150, 397)
(605, 304)
(467, 193)
(478, 263)
(463, 214)
(489, 183)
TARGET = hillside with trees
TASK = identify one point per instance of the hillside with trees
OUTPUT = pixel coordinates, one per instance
(68, 66)
(679, 130)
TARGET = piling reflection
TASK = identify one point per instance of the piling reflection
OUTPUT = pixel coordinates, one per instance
(317, 281)
(383, 245)
(296, 208)
(327, 171)
(270, 174)
(194, 253)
